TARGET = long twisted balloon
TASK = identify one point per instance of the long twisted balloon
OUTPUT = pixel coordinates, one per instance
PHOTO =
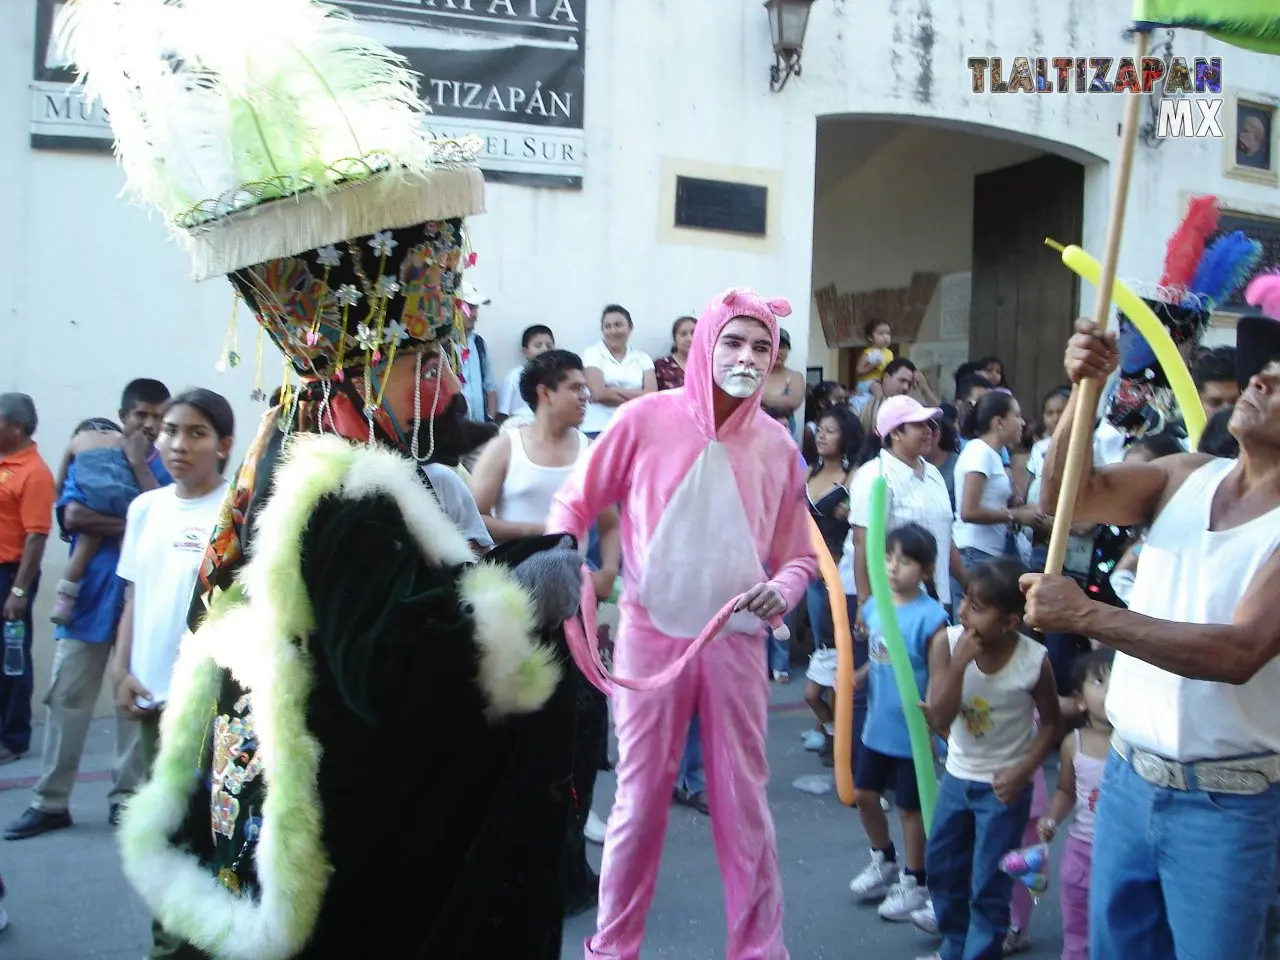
(844, 746)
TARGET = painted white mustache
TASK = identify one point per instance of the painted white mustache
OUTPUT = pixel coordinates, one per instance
(741, 382)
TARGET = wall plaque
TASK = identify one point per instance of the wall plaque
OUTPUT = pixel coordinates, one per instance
(741, 208)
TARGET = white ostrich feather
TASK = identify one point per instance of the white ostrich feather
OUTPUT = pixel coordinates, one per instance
(220, 104)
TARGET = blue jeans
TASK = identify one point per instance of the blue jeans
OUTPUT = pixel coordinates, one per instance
(972, 830)
(693, 777)
(1180, 873)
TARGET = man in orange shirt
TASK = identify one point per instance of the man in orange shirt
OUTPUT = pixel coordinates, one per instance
(26, 515)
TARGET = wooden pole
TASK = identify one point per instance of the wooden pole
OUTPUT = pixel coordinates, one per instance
(1087, 392)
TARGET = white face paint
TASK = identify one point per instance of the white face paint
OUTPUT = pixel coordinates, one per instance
(741, 356)
(740, 382)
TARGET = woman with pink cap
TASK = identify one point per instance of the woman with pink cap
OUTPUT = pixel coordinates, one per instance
(916, 492)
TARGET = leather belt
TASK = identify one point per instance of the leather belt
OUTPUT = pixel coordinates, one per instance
(1246, 776)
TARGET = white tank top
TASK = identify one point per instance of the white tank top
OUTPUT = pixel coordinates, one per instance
(529, 488)
(1191, 574)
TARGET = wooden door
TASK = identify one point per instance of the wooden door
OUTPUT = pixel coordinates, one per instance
(1023, 300)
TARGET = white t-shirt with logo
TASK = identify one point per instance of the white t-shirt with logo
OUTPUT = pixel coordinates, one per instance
(164, 542)
(978, 457)
(627, 373)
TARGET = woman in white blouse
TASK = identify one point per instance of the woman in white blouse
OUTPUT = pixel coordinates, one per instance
(986, 506)
(615, 371)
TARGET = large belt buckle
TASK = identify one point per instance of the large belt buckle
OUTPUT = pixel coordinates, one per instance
(1157, 771)
(1242, 779)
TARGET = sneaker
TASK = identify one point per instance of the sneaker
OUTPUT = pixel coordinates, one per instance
(874, 881)
(35, 822)
(64, 608)
(924, 918)
(781, 676)
(903, 899)
(813, 740)
(4, 920)
(694, 801)
(931, 956)
(594, 830)
(1016, 941)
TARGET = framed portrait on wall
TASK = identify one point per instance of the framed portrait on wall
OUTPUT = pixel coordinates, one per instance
(812, 376)
(1251, 138)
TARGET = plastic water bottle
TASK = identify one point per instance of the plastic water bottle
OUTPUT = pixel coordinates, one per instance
(15, 654)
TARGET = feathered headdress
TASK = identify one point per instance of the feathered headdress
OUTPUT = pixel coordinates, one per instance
(288, 151)
(1195, 280)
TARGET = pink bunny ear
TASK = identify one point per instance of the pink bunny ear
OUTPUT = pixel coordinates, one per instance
(737, 295)
(1263, 292)
(780, 306)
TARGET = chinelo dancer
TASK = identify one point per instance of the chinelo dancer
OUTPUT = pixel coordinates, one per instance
(368, 736)
(711, 496)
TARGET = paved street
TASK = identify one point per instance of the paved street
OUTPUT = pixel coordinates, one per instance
(68, 901)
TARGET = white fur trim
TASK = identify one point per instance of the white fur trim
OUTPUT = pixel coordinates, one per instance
(292, 867)
(517, 673)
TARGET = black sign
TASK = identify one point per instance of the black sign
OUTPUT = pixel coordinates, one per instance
(722, 205)
(510, 71)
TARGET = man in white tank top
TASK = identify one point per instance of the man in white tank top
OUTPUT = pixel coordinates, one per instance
(519, 472)
(1188, 822)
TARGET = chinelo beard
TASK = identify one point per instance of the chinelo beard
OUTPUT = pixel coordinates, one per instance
(455, 433)
(741, 382)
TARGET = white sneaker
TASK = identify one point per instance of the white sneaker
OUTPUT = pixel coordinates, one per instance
(931, 956)
(4, 920)
(884, 803)
(594, 830)
(924, 918)
(813, 740)
(903, 899)
(874, 881)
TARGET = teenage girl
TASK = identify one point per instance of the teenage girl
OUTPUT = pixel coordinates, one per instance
(884, 759)
(1084, 755)
(838, 439)
(985, 686)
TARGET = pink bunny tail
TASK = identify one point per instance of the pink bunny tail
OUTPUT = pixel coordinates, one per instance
(1263, 292)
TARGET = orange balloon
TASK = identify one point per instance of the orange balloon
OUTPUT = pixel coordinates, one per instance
(843, 746)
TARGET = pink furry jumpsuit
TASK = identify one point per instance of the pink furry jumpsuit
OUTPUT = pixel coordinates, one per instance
(705, 514)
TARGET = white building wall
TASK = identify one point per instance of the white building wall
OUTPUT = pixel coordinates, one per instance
(96, 295)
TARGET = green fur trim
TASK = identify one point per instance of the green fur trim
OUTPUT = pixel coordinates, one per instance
(517, 673)
(312, 468)
(292, 866)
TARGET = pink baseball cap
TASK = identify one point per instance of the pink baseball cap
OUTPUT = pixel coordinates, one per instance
(895, 411)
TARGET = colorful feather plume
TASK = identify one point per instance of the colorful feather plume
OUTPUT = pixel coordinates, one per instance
(217, 105)
(1186, 246)
(1225, 266)
(1263, 292)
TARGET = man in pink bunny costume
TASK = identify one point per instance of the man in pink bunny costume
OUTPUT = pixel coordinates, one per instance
(712, 497)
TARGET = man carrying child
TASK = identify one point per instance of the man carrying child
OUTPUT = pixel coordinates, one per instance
(84, 640)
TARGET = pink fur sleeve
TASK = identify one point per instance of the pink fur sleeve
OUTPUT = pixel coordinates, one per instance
(599, 483)
(791, 555)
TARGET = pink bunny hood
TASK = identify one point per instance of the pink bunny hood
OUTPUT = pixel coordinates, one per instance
(704, 514)
(1257, 337)
(699, 377)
